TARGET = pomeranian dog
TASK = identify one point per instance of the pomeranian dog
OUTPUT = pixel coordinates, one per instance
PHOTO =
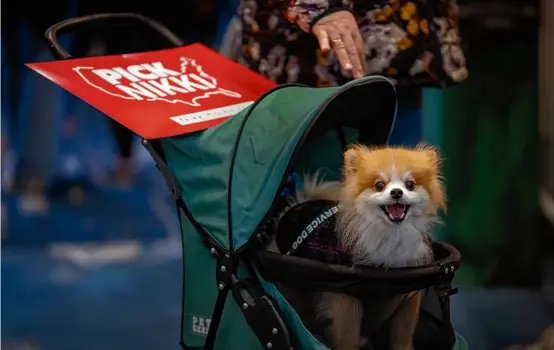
(389, 199)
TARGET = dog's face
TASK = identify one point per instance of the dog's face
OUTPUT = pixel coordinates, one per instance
(399, 186)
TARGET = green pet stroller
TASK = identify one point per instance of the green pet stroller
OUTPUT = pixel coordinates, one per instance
(228, 183)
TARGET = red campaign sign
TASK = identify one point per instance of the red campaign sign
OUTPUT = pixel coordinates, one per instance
(160, 93)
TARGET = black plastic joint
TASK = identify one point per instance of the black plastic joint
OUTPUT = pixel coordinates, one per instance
(448, 269)
(224, 272)
(259, 240)
(262, 315)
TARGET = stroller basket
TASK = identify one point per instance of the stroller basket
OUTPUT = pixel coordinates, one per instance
(227, 182)
(358, 281)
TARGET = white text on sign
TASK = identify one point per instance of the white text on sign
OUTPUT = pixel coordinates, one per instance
(152, 80)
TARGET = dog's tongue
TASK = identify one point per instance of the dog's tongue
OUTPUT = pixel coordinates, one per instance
(396, 211)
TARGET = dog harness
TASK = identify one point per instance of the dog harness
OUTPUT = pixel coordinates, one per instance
(307, 230)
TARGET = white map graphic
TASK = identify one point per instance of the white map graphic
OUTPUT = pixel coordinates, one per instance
(187, 64)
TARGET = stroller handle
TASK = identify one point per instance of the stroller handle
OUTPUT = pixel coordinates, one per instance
(60, 53)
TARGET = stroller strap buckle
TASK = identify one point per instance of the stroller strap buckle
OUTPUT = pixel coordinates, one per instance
(262, 315)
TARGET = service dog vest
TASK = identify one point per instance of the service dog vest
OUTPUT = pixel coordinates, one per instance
(307, 230)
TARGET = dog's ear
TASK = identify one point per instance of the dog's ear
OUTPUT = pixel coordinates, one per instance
(432, 153)
(434, 156)
(351, 160)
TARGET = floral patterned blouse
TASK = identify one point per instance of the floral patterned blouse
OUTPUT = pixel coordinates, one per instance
(410, 41)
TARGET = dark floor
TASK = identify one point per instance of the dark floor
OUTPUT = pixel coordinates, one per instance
(123, 292)
(50, 304)
(53, 303)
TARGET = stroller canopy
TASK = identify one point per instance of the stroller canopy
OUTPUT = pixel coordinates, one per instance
(230, 175)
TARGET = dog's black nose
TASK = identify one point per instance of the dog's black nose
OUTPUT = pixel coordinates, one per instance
(396, 193)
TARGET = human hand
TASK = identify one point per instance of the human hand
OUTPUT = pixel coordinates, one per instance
(339, 31)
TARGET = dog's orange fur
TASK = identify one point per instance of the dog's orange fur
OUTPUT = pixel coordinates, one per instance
(363, 167)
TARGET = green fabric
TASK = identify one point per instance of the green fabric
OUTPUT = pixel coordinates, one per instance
(199, 288)
(488, 140)
(201, 161)
(200, 294)
(460, 344)
(302, 335)
(327, 164)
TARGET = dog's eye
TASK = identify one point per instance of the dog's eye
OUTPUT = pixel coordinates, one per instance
(379, 186)
(410, 185)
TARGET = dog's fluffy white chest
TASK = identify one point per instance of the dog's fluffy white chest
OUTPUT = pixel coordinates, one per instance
(383, 244)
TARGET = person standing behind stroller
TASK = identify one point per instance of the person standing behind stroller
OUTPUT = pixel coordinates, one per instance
(329, 42)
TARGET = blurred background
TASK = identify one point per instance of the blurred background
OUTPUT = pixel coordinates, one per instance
(90, 239)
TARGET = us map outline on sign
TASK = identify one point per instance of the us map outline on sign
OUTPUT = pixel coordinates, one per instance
(185, 64)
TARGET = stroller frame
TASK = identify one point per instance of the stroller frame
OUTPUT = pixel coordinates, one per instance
(260, 312)
(259, 309)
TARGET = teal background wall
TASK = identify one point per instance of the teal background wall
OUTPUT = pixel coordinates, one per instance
(486, 129)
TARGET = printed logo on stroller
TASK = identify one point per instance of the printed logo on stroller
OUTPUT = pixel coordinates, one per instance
(200, 325)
